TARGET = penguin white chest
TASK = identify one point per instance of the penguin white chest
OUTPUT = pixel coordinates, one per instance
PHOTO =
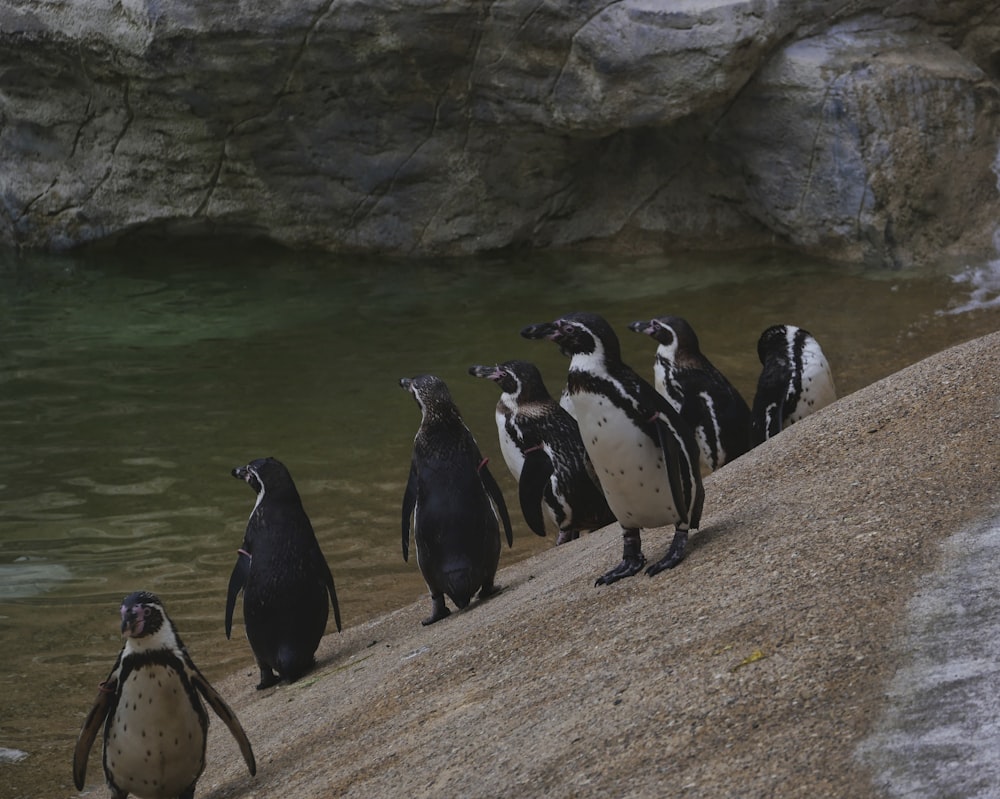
(512, 455)
(155, 745)
(629, 464)
(818, 389)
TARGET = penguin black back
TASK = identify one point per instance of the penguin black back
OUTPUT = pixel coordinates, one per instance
(286, 582)
(454, 502)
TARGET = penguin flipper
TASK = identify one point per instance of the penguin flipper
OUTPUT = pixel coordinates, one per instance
(672, 462)
(88, 734)
(224, 712)
(237, 581)
(409, 503)
(332, 589)
(535, 476)
(490, 484)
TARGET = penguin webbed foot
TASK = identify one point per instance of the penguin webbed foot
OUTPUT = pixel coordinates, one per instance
(488, 591)
(438, 611)
(678, 548)
(628, 567)
(632, 559)
(267, 678)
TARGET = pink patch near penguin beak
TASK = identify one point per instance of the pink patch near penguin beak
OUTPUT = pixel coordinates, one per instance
(133, 630)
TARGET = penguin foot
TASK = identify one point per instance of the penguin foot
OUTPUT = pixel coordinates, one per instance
(267, 678)
(674, 555)
(438, 611)
(489, 590)
(631, 564)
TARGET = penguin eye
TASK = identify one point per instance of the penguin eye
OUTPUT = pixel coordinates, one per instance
(146, 612)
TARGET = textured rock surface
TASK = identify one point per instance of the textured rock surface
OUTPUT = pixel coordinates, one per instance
(866, 130)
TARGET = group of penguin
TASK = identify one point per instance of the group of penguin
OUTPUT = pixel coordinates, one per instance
(614, 447)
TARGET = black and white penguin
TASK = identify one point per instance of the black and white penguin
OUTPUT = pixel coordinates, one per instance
(698, 391)
(644, 452)
(286, 582)
(454, 502)
(155, 725)
(794, 382)
(543, 450)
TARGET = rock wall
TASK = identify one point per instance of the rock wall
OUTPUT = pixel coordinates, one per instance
(863, 131)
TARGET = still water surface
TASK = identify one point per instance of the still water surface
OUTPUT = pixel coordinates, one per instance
(131, 384)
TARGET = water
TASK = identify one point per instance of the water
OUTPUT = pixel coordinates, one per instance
(132, 383)
(941, 734)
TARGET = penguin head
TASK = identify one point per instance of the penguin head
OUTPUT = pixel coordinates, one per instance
(143, 615)
(579, 334)
(520, 379)
(262, 473)
(674, 335)
(773, 342)
(432, 396)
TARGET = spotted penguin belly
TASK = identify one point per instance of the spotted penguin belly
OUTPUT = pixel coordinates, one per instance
(628, 463)
(155, 743)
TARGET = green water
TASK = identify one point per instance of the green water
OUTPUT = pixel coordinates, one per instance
(131, 384)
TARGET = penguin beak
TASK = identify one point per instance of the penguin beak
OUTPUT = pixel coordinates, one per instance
(549, 330)
(240, 472)
(487, 372)
(133, 621)
(643, 327)
(406, 384)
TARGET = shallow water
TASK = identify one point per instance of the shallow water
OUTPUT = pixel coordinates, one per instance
(131, 384)
(941, 732)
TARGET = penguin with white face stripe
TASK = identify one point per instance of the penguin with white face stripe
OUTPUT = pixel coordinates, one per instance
(155, 726)
(795, 380)
(542, 447)
(699, 392)
(286, 582)
(644, 453)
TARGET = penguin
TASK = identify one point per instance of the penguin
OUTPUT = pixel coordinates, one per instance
(155, 725)
(794, 382)
(543, 450)
(645, 454)
(698, 391)
(286, 583)
(454, 502)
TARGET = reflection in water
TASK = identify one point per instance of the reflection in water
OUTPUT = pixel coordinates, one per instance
(130, 386)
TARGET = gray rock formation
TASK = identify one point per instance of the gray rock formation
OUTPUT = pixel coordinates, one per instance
(864, 131)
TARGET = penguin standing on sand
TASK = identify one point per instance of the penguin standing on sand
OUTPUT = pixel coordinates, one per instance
(698, 391)
(286, 583)
(794, 382)
(542, 447)
(644, 452)
(155, 725)
(454, 502)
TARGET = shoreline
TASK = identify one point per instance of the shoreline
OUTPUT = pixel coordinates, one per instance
(755, 668)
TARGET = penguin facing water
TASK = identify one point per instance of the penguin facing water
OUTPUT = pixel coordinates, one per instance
(542, 447)
(454, 502)
(698, 391)
(645, 454)
(286, 583)
(155, 725)
(795, 380)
